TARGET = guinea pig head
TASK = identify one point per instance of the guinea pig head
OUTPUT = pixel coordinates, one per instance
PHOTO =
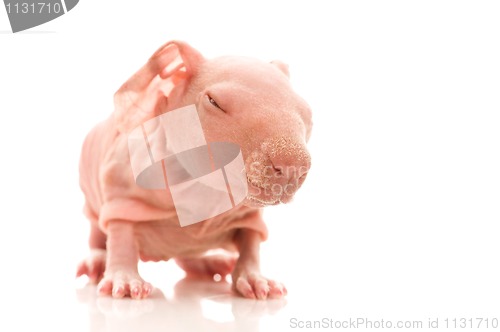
(240, 100)
(251, 103)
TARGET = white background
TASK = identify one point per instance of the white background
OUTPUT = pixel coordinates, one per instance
(399, 216)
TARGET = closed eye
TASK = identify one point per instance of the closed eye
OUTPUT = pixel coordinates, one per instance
(213, 102)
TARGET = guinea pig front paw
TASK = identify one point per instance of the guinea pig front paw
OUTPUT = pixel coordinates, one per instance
(255, 286)
(93, 266)
(119, 283)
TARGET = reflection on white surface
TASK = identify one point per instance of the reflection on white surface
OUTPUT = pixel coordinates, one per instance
(196, 305)
(219, 312)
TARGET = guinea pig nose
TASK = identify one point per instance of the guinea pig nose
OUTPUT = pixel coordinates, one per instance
(290, 168)
(278, 170)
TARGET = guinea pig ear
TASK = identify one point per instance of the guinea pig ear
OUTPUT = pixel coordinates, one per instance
(146, 94)
(281, 66)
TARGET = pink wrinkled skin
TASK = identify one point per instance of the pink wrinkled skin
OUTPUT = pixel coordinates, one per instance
(240, 100)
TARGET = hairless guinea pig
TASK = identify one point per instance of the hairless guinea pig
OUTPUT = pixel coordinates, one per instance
(240, 100)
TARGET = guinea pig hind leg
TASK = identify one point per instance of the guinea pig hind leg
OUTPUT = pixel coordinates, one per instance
(93, 266)
(121, 277)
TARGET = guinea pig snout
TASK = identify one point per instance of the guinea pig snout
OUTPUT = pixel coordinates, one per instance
(278, 170)
(290, 168)
(290, 171)
(289, 159)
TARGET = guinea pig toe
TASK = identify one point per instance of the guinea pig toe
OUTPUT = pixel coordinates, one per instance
(123, 284)
(258, 287)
